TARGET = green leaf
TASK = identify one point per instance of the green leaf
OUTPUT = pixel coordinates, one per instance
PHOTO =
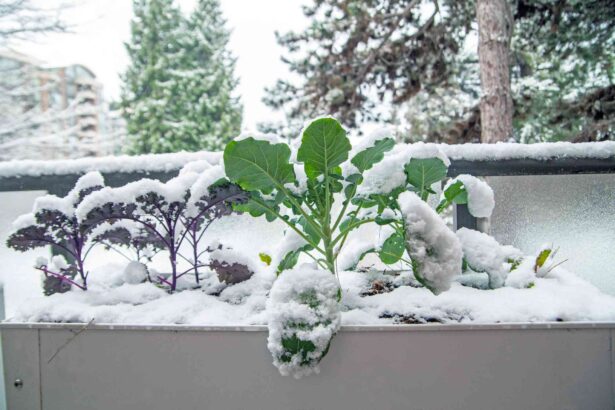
(455, 193)
(542, 258)
(293, 346)
(254, 207)
(265, 258)
(291, 258)
(422, 173)
(366, 159)
(309, 230)
(392, 249)
(258, 165)
(324, 146)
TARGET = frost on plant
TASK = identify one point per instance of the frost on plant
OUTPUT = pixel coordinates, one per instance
(172, 214)
(53, 222)
(434, 249)
(303, 194)
(466, 189)
(303, 317)
(232, 267)
(482, 253)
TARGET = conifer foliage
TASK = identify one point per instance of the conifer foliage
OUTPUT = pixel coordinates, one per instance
(178, 91)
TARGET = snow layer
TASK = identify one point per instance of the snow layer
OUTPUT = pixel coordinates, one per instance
(543, 150)
(484, 254)
(172, 162)
(302, 307)
(559, 296)
(430, 243)
(389, 174)
(480, 195)
(121, 163)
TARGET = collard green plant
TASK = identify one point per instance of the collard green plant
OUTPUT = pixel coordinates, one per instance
(421, 173)
(306, 205)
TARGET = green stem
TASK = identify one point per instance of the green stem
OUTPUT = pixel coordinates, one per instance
(298, 206)
(293, 227)
(350, 228)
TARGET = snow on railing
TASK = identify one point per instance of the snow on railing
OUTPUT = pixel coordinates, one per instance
(121, 163)
(601, 153)
(59, 176)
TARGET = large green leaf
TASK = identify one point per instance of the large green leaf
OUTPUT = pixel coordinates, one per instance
(392, 249)
(366, 159)
(324, 146)
(422, 173)
(258, 165)
(254, 207)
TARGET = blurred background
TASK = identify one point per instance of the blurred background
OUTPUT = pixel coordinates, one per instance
(87, 78)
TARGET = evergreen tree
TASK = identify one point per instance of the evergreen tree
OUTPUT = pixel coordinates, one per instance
(145, 94)
(359, 58)
(208, 81)
(177, 91)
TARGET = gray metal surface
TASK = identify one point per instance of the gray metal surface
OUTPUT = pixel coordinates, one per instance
(564, 366)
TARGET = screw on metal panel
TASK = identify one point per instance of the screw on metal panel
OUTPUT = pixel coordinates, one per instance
(18, 383)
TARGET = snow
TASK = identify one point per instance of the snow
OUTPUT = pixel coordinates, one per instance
(233, 256)
(361, 143)
(120, 163)
(480, 195)
(484, 254)
(175, 161)
(58, 263)
(201, 186)
(173, 190)
(430, 243)
(302, 304)
(544, 150)
(559, 296)
(134, 273)
(389, 173)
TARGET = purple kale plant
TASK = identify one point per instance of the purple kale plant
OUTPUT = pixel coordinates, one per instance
(175, 215)
(53, 223)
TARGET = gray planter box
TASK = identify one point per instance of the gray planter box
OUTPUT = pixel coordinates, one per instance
(532, 366)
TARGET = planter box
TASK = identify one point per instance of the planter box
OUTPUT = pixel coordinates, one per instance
(531, 366)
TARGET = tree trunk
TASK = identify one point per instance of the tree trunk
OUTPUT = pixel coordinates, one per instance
(495, 25)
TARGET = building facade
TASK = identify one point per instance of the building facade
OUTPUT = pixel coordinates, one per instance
(53, 112)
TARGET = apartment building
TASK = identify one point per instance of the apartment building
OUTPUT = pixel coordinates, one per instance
(52, 112)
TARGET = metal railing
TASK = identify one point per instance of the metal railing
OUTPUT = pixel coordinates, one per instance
(61, 183)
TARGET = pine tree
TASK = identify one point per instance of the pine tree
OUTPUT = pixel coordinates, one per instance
(177, 92)
(147, 87)
(212, 114)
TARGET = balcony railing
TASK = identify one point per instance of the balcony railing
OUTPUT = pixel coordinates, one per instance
(58, 177)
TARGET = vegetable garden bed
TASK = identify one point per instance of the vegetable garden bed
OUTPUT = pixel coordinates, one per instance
(302, 238)
(513, 366)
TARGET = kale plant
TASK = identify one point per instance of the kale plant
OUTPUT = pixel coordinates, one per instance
(278, 189)
(53, 222)
(172, 214)
(130, 236)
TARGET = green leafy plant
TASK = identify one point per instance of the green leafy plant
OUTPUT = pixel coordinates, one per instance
(306, 205)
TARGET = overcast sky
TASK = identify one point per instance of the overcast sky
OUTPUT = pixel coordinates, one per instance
(100, 27)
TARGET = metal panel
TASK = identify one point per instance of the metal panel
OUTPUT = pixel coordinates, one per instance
(20, 350)
(503, 367)
(60, 184)
(525, 166)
